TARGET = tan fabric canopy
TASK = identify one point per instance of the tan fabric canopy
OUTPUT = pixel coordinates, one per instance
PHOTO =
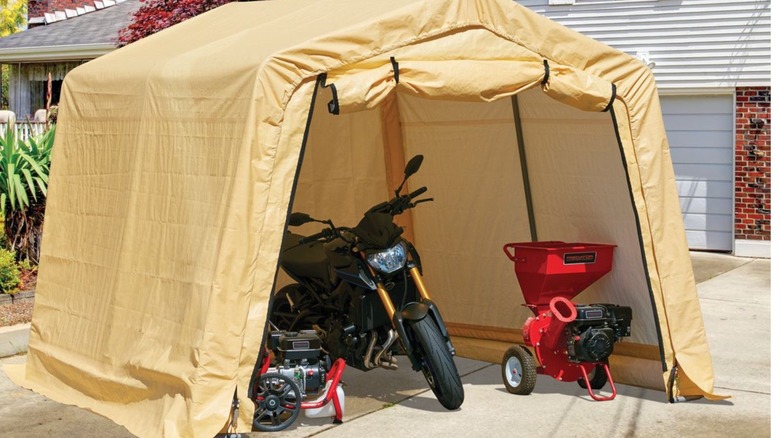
(177, 157)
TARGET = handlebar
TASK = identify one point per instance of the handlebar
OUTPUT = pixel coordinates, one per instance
(417, 192)
(394, 207)
(400, 203)
(326, 232)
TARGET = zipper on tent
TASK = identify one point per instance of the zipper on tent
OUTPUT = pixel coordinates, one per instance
(639, 233)
(524, 167)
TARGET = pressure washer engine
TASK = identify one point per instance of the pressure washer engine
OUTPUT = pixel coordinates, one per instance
(300, 369)
(298, 357)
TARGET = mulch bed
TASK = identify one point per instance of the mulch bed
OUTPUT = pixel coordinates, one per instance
(18, 312)
(18, 308)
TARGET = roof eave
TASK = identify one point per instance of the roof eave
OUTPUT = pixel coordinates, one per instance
(54, 53)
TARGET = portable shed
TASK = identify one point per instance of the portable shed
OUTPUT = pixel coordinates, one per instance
(177, 158)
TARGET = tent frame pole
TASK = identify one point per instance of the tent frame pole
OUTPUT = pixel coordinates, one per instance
(524, 168)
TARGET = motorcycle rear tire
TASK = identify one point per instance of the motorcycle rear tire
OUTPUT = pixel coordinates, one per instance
(438, 364)
(281, 306)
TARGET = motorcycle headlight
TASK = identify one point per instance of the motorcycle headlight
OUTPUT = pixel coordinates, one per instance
(389, 260)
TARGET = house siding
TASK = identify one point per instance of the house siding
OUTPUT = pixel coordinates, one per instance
(701, 49)
(694, 43)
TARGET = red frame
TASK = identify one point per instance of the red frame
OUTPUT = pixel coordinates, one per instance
(335, 375)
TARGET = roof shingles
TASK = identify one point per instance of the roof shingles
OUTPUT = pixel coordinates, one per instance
(99, 27)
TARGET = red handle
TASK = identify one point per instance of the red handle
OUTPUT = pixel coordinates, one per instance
(511, 256)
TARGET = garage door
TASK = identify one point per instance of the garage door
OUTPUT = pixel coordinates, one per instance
(701, 137)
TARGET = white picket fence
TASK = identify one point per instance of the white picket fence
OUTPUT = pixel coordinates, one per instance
(25, 130)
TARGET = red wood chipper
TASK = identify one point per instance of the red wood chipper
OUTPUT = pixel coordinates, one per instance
(572, 342)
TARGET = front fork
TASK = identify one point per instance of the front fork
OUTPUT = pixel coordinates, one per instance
(385, 296)
(412, 312)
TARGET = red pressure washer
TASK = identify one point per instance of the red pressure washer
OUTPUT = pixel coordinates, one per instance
(571, 341)
(298, 370)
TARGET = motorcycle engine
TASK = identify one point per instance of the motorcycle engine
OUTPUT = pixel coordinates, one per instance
(593, 333)
(345, 342)
(299, 357)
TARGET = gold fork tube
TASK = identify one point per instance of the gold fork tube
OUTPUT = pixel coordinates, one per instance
(386, 301)
(418, 281)
(383, 294)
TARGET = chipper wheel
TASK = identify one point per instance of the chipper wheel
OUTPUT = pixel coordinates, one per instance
(519, 370)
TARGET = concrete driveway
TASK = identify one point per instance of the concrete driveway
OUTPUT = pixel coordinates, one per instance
(735, 299)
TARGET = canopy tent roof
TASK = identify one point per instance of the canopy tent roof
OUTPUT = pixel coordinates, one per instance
(177, 158)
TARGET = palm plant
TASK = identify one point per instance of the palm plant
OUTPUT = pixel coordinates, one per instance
(24, 177)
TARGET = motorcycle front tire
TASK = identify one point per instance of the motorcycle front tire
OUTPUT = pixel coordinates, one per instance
(438, 365)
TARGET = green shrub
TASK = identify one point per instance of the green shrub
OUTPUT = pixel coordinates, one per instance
(10, 277)
(24, 168)
(24, 177)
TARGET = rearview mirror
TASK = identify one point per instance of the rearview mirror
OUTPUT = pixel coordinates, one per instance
(411, 168)
(298, 219)
(413, 165)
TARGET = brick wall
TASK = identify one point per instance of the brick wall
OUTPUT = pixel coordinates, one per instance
(752, 164)
(36, 8)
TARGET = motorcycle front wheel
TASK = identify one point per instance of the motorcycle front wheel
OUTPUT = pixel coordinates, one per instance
(438, 365)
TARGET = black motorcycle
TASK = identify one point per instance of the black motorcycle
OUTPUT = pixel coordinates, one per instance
(361, 289)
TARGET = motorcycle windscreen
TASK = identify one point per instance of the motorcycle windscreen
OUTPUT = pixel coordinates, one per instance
(578, 193)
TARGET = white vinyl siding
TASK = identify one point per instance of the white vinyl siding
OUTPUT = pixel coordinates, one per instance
(700, 130)
(694, 43)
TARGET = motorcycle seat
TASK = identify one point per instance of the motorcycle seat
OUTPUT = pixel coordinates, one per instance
(307, 260)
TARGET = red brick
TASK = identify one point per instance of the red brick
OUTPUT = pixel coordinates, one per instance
(36, 8)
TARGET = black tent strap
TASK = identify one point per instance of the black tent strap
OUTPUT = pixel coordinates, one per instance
(611, 99)
(396, 71)
(333, 105)
(546, 73)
